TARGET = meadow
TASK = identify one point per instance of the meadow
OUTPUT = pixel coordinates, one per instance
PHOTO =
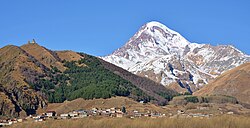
(225, 121)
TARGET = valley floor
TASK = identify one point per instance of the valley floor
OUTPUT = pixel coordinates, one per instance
(108, 113)
(224, 121)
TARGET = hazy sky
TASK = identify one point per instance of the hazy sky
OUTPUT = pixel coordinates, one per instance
(99, 27)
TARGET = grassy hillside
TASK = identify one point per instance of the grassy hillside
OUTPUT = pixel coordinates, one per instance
(232, 83)
(16, 67)
(45, 56)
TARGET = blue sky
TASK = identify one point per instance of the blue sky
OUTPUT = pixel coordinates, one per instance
(98, 27)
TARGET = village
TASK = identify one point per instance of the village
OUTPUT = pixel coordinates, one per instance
(100, 112)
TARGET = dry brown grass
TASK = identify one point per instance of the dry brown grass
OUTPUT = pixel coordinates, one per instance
(118, 102)
(130, 105)
(225, 121)
(234, 83)
(43, 55)
(69, 55)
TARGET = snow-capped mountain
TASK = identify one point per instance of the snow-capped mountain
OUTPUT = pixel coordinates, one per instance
(165, 56)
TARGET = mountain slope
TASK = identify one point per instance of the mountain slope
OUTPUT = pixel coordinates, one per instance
(68, 55)
(47, 57)
(166, 57)
(150, 87)
(31, 76)
(234, 83)
(16, 68)
(91, 77)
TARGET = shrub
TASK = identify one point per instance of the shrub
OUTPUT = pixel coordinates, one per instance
(192, 99)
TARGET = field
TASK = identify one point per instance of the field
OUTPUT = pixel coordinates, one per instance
(220, 118)
(118, 102)
(225, 121)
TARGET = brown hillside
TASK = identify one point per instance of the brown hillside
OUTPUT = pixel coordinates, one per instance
(20, 66)
(175, 86)
(8, 108)
(235, 82)
(16, 68)
(43, 55)
(68, 55)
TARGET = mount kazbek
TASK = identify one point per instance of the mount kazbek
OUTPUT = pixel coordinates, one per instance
(163, 55)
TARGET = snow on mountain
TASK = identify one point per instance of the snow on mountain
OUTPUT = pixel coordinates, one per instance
(165, 56)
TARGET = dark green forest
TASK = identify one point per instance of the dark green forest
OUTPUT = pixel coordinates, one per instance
(88, 79)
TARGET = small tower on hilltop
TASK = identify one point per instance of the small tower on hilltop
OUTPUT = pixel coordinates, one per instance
(33, 41)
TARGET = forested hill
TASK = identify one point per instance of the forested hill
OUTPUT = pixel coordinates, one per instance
(88, 79)
(91, 77)
(32, 76)
(152, 88)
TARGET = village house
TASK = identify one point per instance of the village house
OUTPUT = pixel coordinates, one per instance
(155, 115)
(50, 114)
(81, 113)
(4, 123)
(112, 110)
(108, 110)
(202, 108)
(14, 120)
(64, 116)
(105, 113)
(138, 114)
(19, 120)
(39, 118)
(72, 114)
(119, 114)
(199, 115)
(230, 113)
(180, 112)
(94, 111)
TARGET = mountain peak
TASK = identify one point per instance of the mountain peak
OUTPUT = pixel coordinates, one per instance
(156, 24)
(154, 36)
(163, 55)
(161, 33)
(153, 24)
